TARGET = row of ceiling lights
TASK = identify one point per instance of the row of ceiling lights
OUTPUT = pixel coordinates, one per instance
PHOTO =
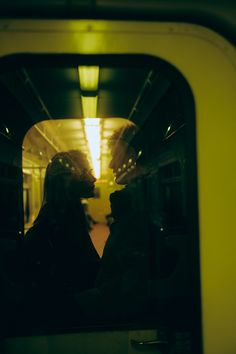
(89, 78)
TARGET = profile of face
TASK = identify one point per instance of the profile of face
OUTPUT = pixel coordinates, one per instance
(80, 185)
(123, 161)
(69, 177)
(123, 153)
(118, 153)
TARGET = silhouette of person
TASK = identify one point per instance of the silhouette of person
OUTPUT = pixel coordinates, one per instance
(57, 256)
(57, 248)
(121, 285)
(90, 220)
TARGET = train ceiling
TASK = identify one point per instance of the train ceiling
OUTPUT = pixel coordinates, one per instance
(53, 94)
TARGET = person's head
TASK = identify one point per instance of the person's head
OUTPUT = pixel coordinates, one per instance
(68, 178)
(124, 153)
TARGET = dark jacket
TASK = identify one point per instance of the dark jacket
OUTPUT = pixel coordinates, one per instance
(58, 251)
(122, 279)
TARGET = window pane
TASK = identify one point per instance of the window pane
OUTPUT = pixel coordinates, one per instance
(99, 188)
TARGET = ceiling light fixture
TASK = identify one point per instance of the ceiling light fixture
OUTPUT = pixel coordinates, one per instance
(89, 106)
(88, 77)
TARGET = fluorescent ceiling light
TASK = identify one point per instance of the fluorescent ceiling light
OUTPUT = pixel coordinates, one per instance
(88, 77)
(89, 106)
(93, 134)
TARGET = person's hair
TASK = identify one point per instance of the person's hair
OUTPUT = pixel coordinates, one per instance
(62, 163)
(67, 162)
(133, 152)
(125, 133)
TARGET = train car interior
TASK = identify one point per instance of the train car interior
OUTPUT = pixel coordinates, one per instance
(48, 108)
(117, 177)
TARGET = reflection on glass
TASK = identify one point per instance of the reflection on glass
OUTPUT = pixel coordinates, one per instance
(118, 250)
(87, 135)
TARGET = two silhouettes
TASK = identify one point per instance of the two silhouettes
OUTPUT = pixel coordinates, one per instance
(58, 260)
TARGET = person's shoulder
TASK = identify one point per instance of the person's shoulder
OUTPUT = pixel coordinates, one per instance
(121, 203)
(121, 194)
(40, 224)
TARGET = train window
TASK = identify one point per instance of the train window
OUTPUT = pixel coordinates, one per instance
(98, 184)
(172, 197)
(91, 137)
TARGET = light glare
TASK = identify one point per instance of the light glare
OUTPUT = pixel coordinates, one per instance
(89, 106)
(92, 130)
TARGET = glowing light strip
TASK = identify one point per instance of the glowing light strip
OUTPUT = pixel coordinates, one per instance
(93, 134)
(89, 106)
(88, 77)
